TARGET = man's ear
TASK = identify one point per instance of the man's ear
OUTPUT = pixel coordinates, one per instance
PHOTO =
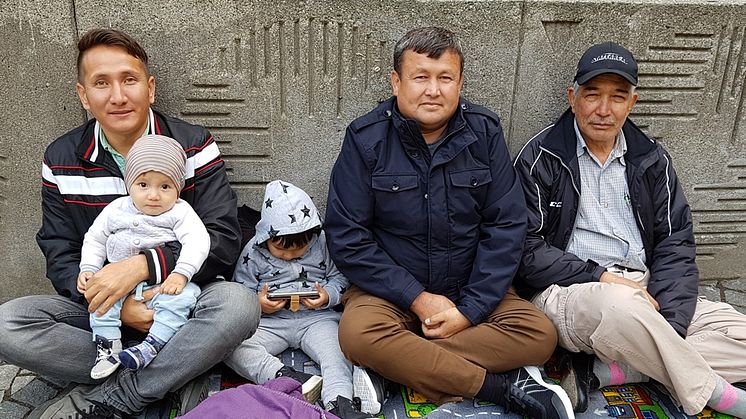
(151, 89)
(635, 96)
(395, 82)
(82, 96)
(571, 98)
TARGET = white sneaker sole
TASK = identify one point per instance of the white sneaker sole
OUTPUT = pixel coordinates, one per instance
(98, 373)
(536, 375)
(364, 390)
(312, 389)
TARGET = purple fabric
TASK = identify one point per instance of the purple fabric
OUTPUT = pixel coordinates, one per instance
(277, 398)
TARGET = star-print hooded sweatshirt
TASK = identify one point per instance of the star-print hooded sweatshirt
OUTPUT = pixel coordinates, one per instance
(287, 209)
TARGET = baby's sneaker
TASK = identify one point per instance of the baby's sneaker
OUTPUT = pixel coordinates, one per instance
(107, 357)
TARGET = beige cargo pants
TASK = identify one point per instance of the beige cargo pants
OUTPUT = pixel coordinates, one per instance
(617, 323)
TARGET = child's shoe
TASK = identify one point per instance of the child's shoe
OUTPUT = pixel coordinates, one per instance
(370, 388)
(348, 409)
(311, 383)
(107, 360)
(139, 356)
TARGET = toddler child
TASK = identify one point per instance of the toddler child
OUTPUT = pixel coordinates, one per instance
(288, 255)
(152, 214)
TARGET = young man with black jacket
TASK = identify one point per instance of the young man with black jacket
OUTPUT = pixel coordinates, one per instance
(81, 173)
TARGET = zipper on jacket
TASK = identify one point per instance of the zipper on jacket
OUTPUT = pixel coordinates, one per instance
(572, 178)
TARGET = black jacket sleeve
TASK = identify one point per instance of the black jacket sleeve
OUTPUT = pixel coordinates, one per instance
(673, 272)
(60, 242)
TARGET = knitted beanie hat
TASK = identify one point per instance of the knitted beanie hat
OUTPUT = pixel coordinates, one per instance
(157, 153)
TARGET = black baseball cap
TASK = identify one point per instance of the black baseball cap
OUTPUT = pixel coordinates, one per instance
(607, 57)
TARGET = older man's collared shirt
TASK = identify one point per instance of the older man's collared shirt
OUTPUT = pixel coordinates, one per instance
(605, 230)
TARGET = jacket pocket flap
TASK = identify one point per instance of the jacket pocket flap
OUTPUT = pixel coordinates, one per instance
(471, 178)
(394, 183)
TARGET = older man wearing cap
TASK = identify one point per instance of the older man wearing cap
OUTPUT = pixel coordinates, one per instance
(610, 253)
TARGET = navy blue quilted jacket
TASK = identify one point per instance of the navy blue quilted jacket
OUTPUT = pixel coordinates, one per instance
(400, 222)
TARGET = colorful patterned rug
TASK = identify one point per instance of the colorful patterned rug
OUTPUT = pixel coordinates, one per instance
(645, 400)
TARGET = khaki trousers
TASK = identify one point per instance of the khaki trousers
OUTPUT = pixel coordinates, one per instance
(617, 323)
(377, 334)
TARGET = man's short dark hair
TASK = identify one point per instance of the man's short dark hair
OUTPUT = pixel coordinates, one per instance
(294, 241)
(112, 38)
(433, 41)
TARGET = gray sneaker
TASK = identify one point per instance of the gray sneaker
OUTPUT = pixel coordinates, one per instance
(76, 401)
(107, 357)
(192, 393)
(370, 388)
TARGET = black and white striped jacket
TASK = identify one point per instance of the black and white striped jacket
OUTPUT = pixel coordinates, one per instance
(548, 168)
(79, 178)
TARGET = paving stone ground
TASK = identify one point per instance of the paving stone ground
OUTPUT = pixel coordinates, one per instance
(21, 390)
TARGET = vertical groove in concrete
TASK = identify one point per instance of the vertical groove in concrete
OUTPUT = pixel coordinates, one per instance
(281, 42)
(739, 110)
(76, 38)
(296, 46)
(718, 55)
(311, 47)
(516, 73)
(222, 65)
(366, 67)
(739, 64)
(725, 70)
(353, 52)
(252, 62)
(237, 57)
(265, 37)
(340, 64)
(325, 47)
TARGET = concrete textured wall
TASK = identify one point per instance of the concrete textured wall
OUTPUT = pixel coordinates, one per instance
(278, 81)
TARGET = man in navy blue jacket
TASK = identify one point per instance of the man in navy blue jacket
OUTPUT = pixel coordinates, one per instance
(427, 220)
(610, 251)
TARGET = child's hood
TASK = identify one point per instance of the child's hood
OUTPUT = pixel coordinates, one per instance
(286, 209)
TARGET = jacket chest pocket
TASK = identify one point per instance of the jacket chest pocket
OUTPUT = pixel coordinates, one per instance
(467, 195)
(399, 201)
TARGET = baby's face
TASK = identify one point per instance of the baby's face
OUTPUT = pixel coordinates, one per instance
(276, 250)
(153, 193)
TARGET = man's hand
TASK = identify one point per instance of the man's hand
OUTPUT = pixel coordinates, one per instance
(316, 302)
(610, 278)
(445, 324)
(113, 282)
(269, 306)
(136, 314)
(427, 305)
(174, 283)
(83, 278)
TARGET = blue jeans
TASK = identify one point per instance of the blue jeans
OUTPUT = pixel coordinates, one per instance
(171, 312)
(51, 335)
